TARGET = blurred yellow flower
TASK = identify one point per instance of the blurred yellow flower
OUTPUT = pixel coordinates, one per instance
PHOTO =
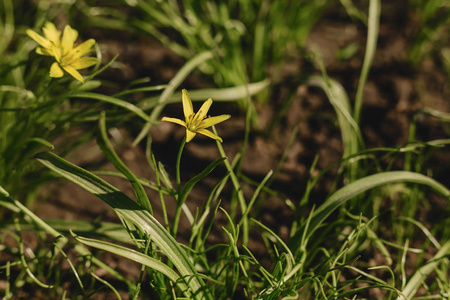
(197, 122)
(62, 49)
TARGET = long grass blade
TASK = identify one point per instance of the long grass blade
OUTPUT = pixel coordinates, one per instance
(371, 45)
(135, 256)
(360, 186)
(422, 273)
(223, 94)
(108, 99)
(191, 183)
(131, 212)
(108, 149)
(351, 134)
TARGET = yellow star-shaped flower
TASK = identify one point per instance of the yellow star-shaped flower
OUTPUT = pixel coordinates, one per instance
(62, 49)
(197, 122)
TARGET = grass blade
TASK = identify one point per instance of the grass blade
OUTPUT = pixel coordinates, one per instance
(191, 183)
(130, 211)
(421, 274)
(108, 149)
(223, 94)
(351, 134)
(371, 45)
(360, 186)
(115, 101)
(135, 256)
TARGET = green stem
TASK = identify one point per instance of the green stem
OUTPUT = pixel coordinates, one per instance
(180, 151)
(176, 218)
(238, 189)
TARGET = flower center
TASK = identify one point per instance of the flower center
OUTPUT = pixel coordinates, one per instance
(194, 121)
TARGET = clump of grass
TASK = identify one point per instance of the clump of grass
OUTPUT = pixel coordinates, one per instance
(33, 107)
(430, 39)
(245, 37)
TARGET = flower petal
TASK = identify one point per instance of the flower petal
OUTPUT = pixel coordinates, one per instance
(51, 33)
(44, 51)
(69, 37)
(38, 39)
(208, 122)
(189, 135)
(56, 52)
(173, 120)
(56, 71)
(82, 49)
(84, 62)
(201, 114)
(209, 134)
(72, 71)
(187, 104)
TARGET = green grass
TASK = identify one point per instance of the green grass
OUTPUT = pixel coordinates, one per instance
(430, 40)
(363, 238)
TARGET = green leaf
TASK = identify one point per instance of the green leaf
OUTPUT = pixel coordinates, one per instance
(165, 177)
(108, 149)
(360, 186)
(191, 183)
(135, 256)
(371, 45)
(218, 95)
(41, 142)
(350, 132)
(422, 273)
(114, 101)
(108, 230)
(131, 212)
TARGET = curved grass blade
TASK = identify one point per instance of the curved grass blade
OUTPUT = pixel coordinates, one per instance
(360, 186)
(442, 116)
(41, 141)
(108, 149)
(422, 273)
(141, 90)
(371, 45)
(112, 231)
(351, 134)
(350, 131)
(185, 192)
(135, 256)
(104, 67)
(255, 196)
(191, 183)
(17, 207)
(3, 192)
(21, 92)
(115, 101)
(218, 95)
(72, 267)
(24, 262)
(131, 212)
(113, 289)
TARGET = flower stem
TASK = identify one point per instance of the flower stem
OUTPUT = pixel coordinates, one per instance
(176, 218)
(178, 164)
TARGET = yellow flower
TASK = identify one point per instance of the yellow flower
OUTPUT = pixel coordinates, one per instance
(62, 49)
(197, 122)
